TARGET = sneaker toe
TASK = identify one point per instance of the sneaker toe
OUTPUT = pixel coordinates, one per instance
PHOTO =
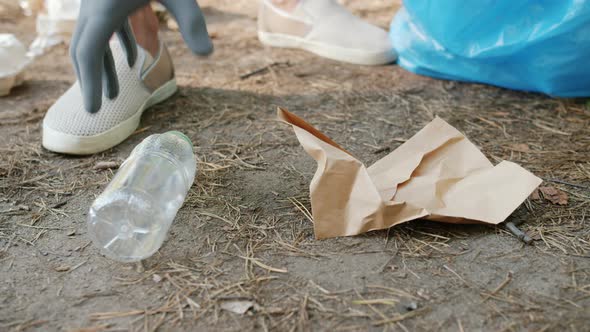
(352, 34)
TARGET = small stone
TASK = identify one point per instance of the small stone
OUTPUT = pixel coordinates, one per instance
(101, 165)
(411, 306)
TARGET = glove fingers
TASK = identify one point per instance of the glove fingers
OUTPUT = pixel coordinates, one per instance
(191, 23)
(110, 81)
(127, 40)
(90, 55)
(74, 46)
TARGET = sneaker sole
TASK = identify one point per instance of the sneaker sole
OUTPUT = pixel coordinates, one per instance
(83, 145)
(327, 51)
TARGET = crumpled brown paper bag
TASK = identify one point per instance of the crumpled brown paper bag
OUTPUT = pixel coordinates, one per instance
(438, 175)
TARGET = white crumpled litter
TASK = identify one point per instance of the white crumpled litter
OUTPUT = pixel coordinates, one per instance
(55, 24)
(237, 306)
(13, 60)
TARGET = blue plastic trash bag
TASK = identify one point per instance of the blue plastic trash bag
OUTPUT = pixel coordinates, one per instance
(532, 45)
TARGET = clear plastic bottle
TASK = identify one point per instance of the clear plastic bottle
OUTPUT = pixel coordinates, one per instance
(130, 219)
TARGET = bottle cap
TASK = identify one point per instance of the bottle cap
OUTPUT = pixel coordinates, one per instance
(181, 135)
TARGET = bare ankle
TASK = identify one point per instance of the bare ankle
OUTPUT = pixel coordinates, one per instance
(287, 5)
(145, 28)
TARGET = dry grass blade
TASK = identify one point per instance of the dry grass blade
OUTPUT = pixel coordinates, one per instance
(500, 286)
(401, 317)
(377, 301)
(301, 208)
(111, 315)
(264, 266)
(552, 130)
(212, 215)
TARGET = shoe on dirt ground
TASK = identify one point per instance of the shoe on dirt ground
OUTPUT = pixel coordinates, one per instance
(327, 29)
(68, 128)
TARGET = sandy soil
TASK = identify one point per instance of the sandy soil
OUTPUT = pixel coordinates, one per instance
(241, 236)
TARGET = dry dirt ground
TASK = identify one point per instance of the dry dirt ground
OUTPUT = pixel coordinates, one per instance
(242, 236)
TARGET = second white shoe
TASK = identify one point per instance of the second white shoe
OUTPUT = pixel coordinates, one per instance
(327, 29)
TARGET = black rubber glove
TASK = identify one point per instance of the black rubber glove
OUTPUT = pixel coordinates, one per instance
(100, 19)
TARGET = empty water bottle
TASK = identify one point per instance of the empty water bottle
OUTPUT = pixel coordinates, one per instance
(130, 219)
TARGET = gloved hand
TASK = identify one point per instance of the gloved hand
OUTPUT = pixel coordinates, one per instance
(100, 19)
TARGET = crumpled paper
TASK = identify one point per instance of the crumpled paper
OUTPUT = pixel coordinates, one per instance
(438, 175)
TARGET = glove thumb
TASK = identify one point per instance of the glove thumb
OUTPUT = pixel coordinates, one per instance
(192, 25)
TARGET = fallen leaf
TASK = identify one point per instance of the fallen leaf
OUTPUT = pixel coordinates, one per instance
(554, 195)
(237, 306)
(535, 196)
(520, 147)
(535, 235)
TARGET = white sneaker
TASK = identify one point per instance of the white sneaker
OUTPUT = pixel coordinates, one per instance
(69, 128)
(327, 29)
